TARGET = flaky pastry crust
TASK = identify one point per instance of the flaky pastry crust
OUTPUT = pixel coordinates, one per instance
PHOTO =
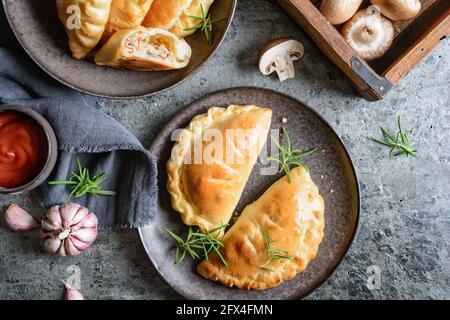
(292, 215)
(125, 14)
(206, 194)
(93, 16)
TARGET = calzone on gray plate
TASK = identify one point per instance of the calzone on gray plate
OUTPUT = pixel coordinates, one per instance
(288, 218)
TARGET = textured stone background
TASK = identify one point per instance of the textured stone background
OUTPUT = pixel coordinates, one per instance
(405, 217)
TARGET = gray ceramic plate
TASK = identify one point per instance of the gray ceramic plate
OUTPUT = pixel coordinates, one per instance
(38, 29)
(331, 169)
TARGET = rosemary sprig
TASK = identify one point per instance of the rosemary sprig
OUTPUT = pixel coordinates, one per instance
(198, 245)
(399, 145)
(287, 156)
(82, 183)
(205, 25)
(273, 254)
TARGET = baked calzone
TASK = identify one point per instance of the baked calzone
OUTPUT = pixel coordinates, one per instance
(186, 21)
(291, 215)
(125, 14)
(165, 13)
(212, 161)
(177, 15)
(84, 21)
(144, 49)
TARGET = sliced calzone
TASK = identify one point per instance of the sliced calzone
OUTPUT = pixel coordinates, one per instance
(289, 219)
(84, 21)
(125, 14)
(180, 19)
(144, 49)
(212, 161)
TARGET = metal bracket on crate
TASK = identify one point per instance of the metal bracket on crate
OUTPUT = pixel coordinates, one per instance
(379, 85)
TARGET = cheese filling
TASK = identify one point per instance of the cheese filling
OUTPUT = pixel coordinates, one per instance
(140, 45)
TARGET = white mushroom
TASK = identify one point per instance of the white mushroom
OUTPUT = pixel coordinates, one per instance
(279, 55)
(369, 34)
(339, 11)
(398, 10)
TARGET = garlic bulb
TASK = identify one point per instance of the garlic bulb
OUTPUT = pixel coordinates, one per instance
(68, 229)
(72, 293)
(18, 219)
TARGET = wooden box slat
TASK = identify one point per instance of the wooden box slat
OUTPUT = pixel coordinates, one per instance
(419, 38)
(373, 80)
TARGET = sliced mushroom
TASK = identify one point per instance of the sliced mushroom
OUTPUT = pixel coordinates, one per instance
(339, 11)
(369, 34)
(279, 55)
(398, 10)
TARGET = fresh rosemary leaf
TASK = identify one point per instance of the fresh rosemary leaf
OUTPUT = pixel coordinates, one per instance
(205, 25)
(273, 254)
(174, 236)
(288, 157)
(197, 244)
(399, 145)
(82, 183)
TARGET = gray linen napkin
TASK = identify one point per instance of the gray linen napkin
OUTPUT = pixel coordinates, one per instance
(84, 132)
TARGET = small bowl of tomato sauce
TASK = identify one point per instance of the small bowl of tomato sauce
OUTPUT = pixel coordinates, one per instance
(28, 149)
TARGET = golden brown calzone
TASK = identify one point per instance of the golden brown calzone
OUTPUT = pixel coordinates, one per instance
(176, 15)
(165, 13)
(205, 186)
(125, 14)
(292, 216)
(84, 21)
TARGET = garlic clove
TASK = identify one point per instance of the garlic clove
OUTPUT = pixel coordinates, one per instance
(45, 235)
(79, 216)
(68, 211)
(80, 245)
(86, 234)
(62, 250)
(71, 249)
(52, 244)
(72, 293)
(18, 219)
(47, 225)
(54, 216)
(89, 221)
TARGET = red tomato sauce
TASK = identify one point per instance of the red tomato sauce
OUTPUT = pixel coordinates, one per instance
(23, 149)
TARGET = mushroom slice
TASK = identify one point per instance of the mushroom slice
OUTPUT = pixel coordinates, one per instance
(398, 10)
(339, 11)
(279, 55)
(369, 34)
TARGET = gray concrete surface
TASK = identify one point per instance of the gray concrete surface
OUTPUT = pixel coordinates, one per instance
(405, 218)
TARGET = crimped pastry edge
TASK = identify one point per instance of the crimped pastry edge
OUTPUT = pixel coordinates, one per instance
(267, 280)
(175, 187)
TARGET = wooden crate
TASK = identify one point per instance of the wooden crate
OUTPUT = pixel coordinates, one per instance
(373, 80)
